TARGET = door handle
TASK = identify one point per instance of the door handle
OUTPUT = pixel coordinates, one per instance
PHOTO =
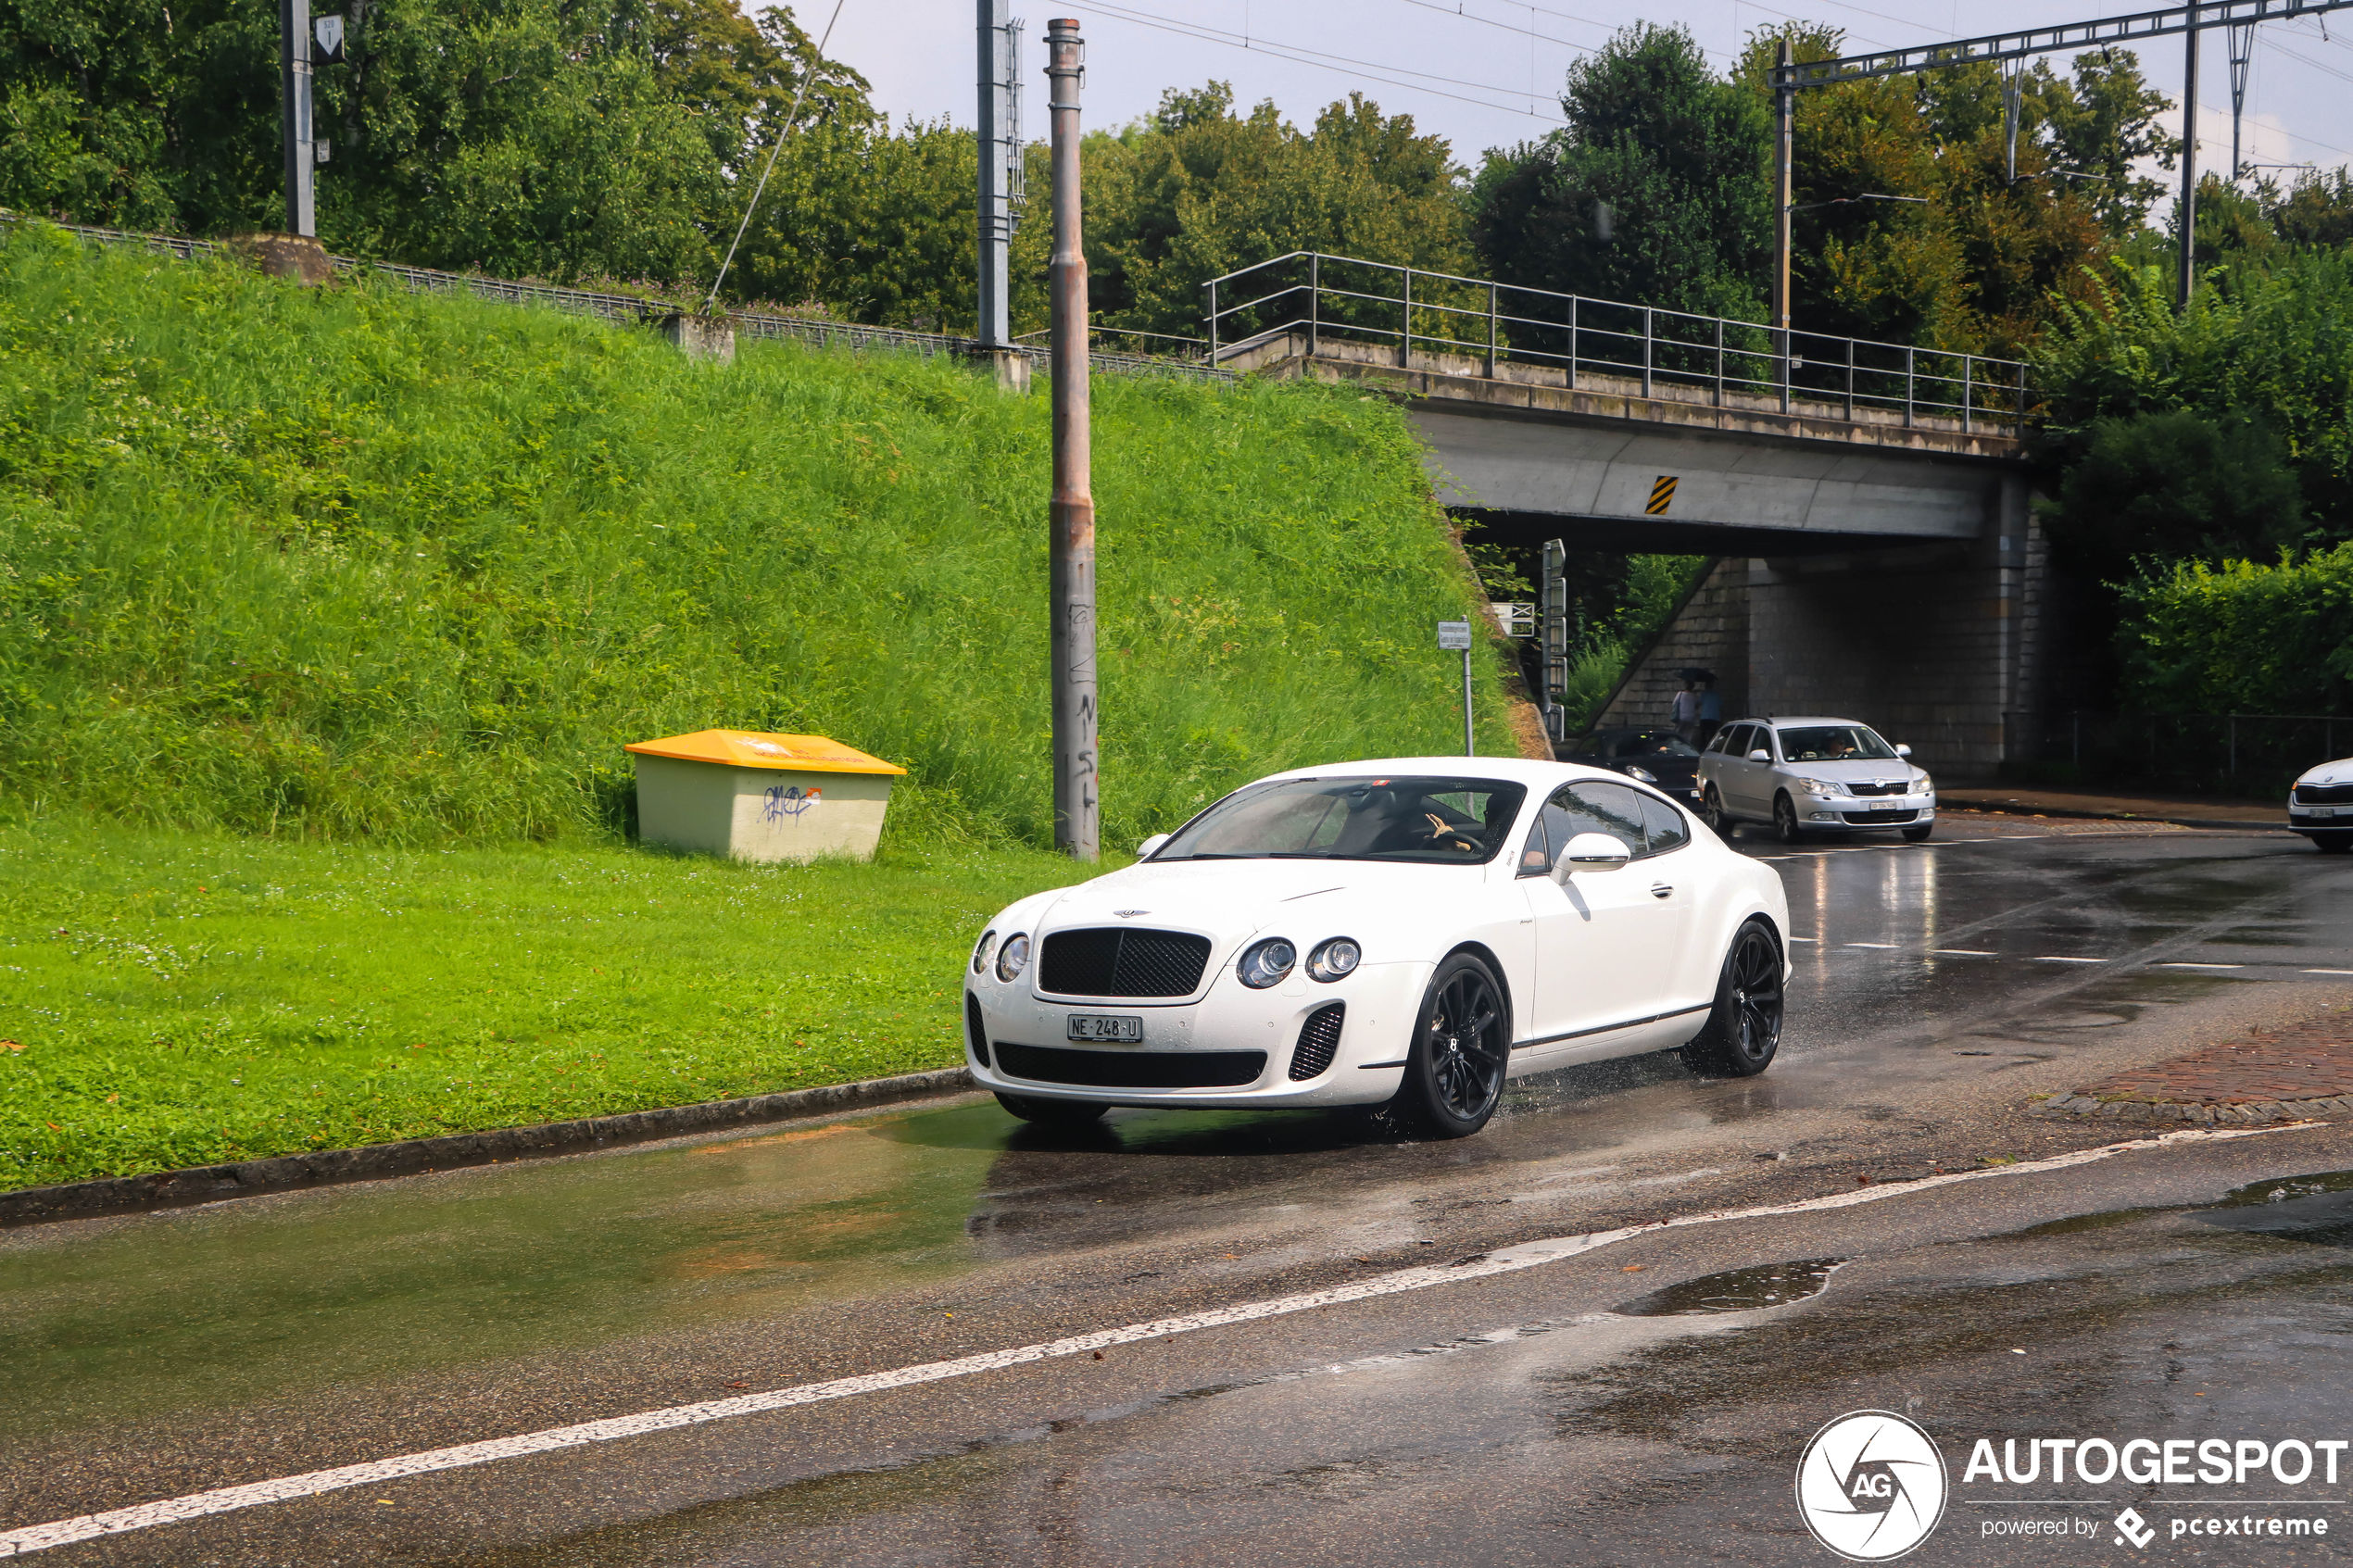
(1661, 889)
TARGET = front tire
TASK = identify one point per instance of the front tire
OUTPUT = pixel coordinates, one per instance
(1461, 1041)
(1918, 835)
(1712, 812)
(1065, 1113)
(2331, 843)
(1785, 826)
(1744, 1029)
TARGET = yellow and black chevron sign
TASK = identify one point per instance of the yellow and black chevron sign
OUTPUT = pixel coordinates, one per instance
(1661, 493)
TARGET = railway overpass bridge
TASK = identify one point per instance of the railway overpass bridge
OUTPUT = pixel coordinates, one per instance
(1866, 505)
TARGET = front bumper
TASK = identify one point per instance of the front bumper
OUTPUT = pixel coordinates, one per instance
(1367, 1065)
(2320, 819)
(1835, 811)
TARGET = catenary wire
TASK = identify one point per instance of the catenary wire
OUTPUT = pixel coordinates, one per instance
(816, 59)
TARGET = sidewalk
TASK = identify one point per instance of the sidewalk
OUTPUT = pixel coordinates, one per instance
(2303, 1070)
(2185, 810)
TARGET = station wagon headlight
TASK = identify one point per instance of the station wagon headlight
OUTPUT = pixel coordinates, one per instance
(1334, 960)
(982, 949)
(1013, 958)
(1821, 786)
(1924, 786)
(1265, 964)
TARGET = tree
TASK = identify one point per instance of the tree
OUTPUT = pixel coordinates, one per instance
(1654, 193)
(1200, 191)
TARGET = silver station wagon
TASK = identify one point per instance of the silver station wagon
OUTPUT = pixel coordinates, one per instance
(1813, 774)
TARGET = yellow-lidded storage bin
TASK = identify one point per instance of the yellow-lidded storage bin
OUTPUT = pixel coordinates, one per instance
(761, 797)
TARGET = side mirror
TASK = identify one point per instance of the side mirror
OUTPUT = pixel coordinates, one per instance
(1902, 751)
(1595, 852)
(1144, 850)
(1760, 755)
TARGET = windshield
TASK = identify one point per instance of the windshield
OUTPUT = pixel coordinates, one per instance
(1835, 743)
(1651, 743)
(1433, 821)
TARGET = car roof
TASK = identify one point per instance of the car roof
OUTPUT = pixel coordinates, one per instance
(1783, 720)
(1517, 770)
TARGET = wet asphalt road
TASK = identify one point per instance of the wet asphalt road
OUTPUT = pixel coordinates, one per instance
(1543, 1416)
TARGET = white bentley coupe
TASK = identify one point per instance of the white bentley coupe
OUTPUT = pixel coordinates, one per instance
(1407, 933)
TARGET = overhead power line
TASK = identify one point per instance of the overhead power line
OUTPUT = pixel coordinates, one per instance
(1300, 54)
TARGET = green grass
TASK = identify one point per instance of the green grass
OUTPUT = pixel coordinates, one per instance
(325, 613)
(177, 999)
(359, 564)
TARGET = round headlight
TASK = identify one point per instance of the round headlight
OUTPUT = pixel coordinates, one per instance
(1333, 959)
(1266, 962)
(1013, 958)
(982, 949)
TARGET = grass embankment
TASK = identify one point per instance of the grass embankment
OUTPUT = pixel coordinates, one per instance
(301, 588)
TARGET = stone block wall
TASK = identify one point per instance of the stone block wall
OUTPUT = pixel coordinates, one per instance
(1711, 632)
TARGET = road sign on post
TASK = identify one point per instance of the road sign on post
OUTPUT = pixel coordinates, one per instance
(1457, 635)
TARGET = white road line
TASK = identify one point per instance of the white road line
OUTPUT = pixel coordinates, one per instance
(1887, 945)
(2185, 963)
(2054, 957)
(197, 1505)
(1806, 939)
(2326, 971)
(1962, 953)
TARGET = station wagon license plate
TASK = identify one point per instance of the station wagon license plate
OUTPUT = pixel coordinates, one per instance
(1116, 1027)
(2323, 811)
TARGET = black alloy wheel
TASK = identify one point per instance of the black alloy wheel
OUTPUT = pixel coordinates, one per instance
(1052, 1112)
(1712, 812)
(1785, 826)
(1744, 1029)
(1454, 1071)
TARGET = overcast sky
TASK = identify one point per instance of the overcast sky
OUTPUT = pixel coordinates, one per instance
(1486, 73)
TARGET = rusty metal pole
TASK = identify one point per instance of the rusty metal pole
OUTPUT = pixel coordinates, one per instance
(2186, 286)
(1077, 825)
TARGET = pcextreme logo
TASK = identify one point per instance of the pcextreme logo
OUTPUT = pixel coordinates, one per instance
(1872, 1485)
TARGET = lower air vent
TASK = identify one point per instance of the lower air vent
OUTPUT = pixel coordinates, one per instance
(1897, 814)
(1131, 1070)
(1318, 1038)
(975, 1032)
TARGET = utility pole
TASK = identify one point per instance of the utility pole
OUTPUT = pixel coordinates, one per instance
(1078, 824)
(1000, 181)
(1784, 152)
(1554, 613)
(2188, 283)
(293, 71)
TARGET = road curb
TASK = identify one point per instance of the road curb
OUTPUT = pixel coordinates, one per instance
(249, 1178)
(2022, 810)
(2246, 1113)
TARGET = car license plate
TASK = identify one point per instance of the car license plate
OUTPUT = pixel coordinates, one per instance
(1106, 1026)
(2321, 811)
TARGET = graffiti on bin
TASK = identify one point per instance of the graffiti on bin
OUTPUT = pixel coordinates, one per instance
(788, 801)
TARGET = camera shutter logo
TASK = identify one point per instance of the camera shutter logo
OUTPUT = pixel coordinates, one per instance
(1872, 1485)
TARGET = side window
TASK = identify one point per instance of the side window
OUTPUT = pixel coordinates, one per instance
(1722, 736)
(1765, 741)
(1664, 825)
(1734, 740)
(1615, 809)
(1536, 855)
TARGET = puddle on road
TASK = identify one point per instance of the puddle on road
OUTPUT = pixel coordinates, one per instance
(1736, 1290)
(2315, 1209)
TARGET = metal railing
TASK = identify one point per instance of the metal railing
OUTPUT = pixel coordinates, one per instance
(2194, 751)
(632, 309)
(1714, 357)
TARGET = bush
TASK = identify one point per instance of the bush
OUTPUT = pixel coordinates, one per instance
(2242, 638)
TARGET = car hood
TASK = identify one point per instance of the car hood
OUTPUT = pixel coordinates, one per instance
(1896, 771)
(2337, 772)
(1230, 900)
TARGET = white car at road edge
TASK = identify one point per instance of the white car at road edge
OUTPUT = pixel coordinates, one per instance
(2319, 805)
(1408, 932)
(1808, 775)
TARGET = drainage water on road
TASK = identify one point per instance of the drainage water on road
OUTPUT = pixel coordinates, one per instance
(1738, 1290)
